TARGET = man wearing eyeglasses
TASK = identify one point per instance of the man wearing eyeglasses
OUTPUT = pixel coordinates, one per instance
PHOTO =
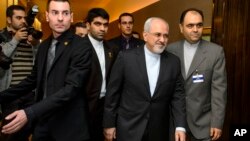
(203, 68)
(126, 39)
(145, 86)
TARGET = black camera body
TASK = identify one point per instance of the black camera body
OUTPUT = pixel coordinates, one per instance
(4, 60)
(31, 14)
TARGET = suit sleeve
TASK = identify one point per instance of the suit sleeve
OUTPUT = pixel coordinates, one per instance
(219, 91)
(178, 103)
(113, 93)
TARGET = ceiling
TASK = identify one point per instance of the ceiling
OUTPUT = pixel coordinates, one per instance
(81, 7)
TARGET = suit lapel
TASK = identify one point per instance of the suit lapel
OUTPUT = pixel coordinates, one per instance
(199, 57)
(108, 56)
(61, 46)
(181, 57)
(42, 58)
(141, 61)
(161, 72)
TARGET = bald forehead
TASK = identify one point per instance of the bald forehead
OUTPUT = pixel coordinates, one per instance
(158, 22)
(192, 13)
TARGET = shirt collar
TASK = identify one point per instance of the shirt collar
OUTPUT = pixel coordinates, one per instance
(149, 53)
(95, 42)
(187, 44)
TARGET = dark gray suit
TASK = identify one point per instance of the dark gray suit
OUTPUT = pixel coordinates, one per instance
(205, 101)
(129, 106)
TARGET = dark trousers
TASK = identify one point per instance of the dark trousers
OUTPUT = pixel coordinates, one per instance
(96, 118)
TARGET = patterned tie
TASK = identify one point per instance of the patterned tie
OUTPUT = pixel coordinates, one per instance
(51, 54)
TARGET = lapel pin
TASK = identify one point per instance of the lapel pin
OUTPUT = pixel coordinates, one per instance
(66, 43)
(110, 55)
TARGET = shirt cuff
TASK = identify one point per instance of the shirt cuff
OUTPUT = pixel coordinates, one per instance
(180, 129)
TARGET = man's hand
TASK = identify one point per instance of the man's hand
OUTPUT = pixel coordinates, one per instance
(109, 134)
(215, 133)
(19, 119)
(21, 34)
(180, 136)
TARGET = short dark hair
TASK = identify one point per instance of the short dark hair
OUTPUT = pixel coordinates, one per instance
(125, 14)
(10, 10)
(183, 14)
(49, 1)
(96, 12)
(80, 24)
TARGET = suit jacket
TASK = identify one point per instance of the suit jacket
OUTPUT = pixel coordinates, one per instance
(63, 109)
(95, 80)
(206, 101)
(129, 106)
(133, 42)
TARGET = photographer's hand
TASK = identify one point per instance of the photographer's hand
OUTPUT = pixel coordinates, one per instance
(21, 34)
(18, 120)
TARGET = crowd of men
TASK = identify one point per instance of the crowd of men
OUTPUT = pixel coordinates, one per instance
(78, 86)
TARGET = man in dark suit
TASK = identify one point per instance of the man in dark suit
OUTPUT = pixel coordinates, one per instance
(203, 69)
(103, 56)
(126, 39)
(59, 76)
(144, 83)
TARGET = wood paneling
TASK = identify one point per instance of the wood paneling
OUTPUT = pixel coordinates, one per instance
(231, 30)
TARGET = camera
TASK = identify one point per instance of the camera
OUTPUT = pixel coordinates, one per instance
(31, 14)
(4, 60)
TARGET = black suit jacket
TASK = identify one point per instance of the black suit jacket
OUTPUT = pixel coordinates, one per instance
(63, 110)
(95, 80)
(129, 106)
(133, 42)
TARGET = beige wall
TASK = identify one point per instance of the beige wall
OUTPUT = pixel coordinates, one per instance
(170, 10)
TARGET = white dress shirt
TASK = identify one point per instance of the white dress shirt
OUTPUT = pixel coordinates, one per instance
(153, 67)
(99, 49)
(189, 52)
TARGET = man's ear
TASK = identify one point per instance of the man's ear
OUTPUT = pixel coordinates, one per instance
(145, 34)
(88, 25)
(9, 20)
(181, 28)
(47, 16)
(72, 17)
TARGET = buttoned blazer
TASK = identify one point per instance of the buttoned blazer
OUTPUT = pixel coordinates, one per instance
(206, 101)
(129, 106)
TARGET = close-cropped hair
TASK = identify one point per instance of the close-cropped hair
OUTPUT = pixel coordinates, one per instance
(125, 14)
(183, 14)
(49, 1)
(10, 10)
(96, 12)
(80, 24)
(147, 24)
